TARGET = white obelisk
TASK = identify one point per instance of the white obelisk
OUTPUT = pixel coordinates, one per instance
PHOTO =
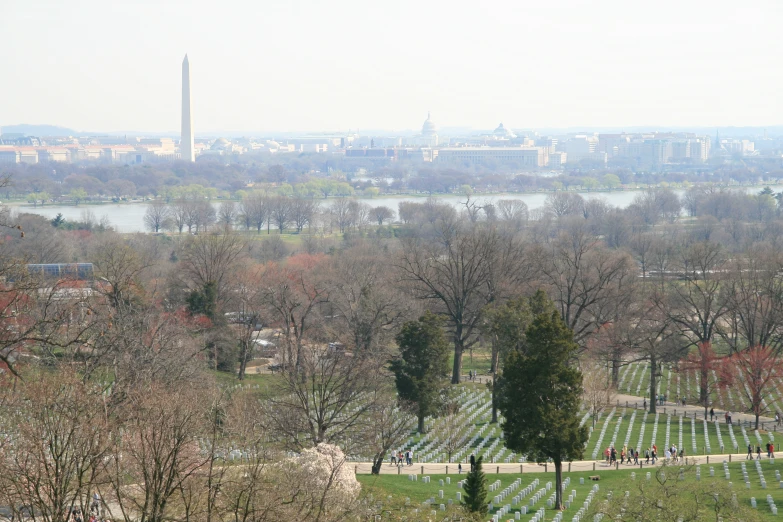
(186, 146)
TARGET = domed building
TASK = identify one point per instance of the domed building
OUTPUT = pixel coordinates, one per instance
(222, 147)
(221, 144)
(429, 133)
(503, 133)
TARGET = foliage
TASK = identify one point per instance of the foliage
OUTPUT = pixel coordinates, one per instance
(423, 364)
(204, 300)
(752, 372)
(540, 395)
(475, 490)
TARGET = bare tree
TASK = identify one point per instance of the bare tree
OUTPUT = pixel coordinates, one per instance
(693, 303)
(302, 212)
(59, 436)
(119, 264)
(157, 216)
(255, 210)
(280, 212)
(563, 204)
(386, 425)
(204, 215)
(599, 390)
(227, 213)
(211, 260)
(180, 214)
(648, 334)
(753, 296)
(588, 282)
(453, 270)
(382, 214)
(293, 296)
(158, 452)
(514, 212)
(341, 213)
(365, 307)
(325, 397)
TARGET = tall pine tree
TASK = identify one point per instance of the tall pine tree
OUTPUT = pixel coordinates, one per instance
(540, 393)
(475, 490)
(423, 365)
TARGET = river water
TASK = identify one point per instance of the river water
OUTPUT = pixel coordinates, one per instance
(129, 217)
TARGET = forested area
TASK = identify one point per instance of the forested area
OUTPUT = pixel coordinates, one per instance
(139, 378)
(316, 176)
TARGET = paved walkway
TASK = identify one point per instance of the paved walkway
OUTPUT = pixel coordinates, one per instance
(434, 468)
(632, 401)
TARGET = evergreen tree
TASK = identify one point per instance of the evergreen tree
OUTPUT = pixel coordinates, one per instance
(423, 365)
(540, 393)
(204, 301)
(475, 490)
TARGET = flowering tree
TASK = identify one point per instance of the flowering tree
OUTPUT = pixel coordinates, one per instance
(752, 371)
(317, 484)
(703, 362)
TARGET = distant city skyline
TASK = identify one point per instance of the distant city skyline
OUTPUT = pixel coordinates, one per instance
(303, 65)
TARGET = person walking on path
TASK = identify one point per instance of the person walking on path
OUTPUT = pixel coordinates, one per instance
(645, 403)
(654, 455)
(749, 456)
(777, 419)
(647, 456)
(712, 414)
(758, 452)
(608, 454)
(472, 462)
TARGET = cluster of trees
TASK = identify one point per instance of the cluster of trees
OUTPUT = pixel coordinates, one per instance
(258, 211)
(368, 333)
(325, 175)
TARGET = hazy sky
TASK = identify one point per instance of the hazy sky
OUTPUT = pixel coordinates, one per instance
(299, 65)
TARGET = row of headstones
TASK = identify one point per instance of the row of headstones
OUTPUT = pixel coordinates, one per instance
(617, 429)
(630, 428)
(586, 504)
(641, 431)
(471, 398)
(603, 433)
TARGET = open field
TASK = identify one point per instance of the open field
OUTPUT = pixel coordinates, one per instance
(401, 489)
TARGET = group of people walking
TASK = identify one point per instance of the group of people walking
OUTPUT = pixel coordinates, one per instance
(770, 447)
(630, 456)
(400, 458)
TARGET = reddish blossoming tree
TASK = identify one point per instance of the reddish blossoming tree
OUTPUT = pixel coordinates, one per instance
(751, 372)
(704, 363)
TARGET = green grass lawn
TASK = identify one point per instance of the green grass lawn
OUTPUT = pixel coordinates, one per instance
(400, 488)
(264, 381)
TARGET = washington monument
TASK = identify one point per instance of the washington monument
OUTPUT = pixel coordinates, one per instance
(186, 140)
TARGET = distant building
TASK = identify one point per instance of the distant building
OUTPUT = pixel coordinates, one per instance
(557, 159)
(522, 156)
(428, 136)
(579, 148)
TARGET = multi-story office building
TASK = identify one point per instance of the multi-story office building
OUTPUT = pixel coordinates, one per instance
(522, 156)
